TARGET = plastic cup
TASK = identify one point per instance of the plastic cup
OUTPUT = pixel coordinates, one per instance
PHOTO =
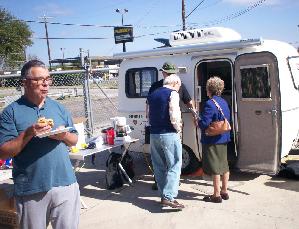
(110, 137)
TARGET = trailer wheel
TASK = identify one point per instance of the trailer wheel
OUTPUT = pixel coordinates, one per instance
(190, 162)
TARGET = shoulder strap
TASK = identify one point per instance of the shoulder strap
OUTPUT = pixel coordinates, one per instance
(218, 107)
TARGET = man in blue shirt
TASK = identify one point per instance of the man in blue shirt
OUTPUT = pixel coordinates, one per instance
(45, 186)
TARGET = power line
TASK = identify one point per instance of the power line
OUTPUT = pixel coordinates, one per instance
(209, 4)
(67, 24)
(154, 4)
(214, 22)
(233, 15)
(195, 8)
(72, 38)
(90, 25)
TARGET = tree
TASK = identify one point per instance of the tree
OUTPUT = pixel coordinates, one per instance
(14, 38)
(32, 57)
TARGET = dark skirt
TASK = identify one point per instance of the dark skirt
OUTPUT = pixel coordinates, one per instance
(214, 159)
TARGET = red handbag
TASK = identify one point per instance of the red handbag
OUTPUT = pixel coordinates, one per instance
(218, 127)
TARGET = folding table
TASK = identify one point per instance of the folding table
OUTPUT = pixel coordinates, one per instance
(80, 156)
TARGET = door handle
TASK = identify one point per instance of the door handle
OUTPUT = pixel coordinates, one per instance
(273, 111)
(258, 112)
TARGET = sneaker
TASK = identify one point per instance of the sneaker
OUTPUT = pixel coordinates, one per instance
(213, 199)
(171, 205)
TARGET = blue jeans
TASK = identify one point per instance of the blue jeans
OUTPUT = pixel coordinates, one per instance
(166, 155)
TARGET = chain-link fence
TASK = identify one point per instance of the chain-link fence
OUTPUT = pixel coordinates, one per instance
(84, 93)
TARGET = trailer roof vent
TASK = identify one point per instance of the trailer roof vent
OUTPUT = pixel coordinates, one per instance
(205, 35)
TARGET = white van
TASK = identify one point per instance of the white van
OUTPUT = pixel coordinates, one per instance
(261, 86)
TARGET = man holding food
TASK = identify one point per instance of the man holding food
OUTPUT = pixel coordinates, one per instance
(45, 185)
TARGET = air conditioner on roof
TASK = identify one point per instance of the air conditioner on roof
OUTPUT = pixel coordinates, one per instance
(205, 35)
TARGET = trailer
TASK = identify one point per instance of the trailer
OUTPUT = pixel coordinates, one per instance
(261, 87)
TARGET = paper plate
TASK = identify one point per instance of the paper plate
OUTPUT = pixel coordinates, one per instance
(52, 132)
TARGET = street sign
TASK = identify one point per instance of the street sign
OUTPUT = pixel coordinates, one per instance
(123, 34)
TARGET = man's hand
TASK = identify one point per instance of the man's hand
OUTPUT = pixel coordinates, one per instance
(36, 129)
(195, 120)
(194, 115)
(59, 137)
(13, 147)
(70, 139)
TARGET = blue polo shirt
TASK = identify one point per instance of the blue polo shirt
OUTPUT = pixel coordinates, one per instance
(43, 163)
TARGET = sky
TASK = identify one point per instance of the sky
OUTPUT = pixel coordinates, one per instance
(268, 19)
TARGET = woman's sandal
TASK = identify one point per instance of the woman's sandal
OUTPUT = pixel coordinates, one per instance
(224, 195)
(213, 199)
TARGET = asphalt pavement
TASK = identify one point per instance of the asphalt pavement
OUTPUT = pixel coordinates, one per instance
(256, 201)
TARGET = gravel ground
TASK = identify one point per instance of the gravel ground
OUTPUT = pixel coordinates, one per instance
(104, 102)
(103, 108)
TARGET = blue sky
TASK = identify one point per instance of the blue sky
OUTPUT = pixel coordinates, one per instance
(270, 19)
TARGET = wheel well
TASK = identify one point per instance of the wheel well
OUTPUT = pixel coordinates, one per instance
(193, 164)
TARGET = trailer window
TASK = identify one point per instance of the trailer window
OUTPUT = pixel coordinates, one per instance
(255, 82)
(293, 63)
(139, 81)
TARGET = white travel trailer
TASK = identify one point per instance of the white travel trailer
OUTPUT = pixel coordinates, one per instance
(261, 86)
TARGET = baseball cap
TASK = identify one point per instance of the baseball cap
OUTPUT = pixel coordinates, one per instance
(169, 68)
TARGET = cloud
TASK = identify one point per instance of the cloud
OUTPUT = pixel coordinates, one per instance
(52, 9)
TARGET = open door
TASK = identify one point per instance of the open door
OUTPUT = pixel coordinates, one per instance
(258, 112)
(222, 68)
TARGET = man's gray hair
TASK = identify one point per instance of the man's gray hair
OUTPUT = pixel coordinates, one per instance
(172, 80)
(30, 64)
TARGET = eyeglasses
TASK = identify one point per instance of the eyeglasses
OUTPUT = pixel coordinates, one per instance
(41, 80)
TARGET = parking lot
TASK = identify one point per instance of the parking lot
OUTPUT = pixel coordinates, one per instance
(256, 201)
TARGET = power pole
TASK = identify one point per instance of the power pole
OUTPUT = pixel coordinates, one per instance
(183, 15)
(47, 38)
(62, 50)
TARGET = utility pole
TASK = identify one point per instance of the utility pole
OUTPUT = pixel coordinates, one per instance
(183, 15)
(62, 50)
(47, 38)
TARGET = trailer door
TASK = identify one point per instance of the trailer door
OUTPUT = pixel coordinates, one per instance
(258, 112)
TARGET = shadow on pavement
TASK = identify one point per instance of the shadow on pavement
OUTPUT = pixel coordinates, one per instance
(92, 184)
(139, 194)
(283, 183)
